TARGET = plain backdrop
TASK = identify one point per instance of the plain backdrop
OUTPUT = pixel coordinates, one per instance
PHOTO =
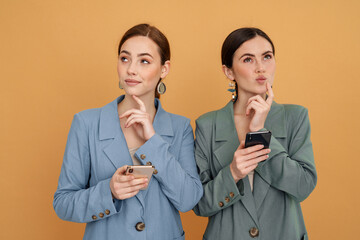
(59, 57)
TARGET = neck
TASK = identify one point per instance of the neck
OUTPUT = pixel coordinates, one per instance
(241, 102)
(129, 103)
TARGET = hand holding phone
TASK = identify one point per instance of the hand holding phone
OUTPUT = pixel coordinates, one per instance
(246, 160)
(126, 186)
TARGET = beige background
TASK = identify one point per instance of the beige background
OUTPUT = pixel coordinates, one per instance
(59, 57)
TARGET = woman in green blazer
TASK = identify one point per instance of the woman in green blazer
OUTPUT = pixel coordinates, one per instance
(253, 192)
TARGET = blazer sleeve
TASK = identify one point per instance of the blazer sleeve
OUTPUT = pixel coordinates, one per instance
(176, 174)
(74, 200)
(216, 189)
(292, 171)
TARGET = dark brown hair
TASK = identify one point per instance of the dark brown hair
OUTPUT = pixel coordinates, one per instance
(154, 34)
(235, 39)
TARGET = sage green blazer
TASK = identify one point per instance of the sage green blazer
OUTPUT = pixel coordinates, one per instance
(272, 211)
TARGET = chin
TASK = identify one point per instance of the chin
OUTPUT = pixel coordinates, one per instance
(259, 91)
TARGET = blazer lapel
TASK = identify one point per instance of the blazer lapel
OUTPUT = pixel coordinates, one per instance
(275, 122)
(109, 130)
(226, 138)
(117, 150)
(249, 201)
(226, 143)
(162, 121)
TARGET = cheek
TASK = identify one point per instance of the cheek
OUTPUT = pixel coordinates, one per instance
(120, 69)
(271, 70)
(242, 72)
(152, 74)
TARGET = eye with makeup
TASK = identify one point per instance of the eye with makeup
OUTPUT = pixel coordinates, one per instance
(247, 60)
(267, 57)
(145, 61)
(124, 59)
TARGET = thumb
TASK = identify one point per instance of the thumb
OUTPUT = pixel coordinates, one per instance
(121, 170)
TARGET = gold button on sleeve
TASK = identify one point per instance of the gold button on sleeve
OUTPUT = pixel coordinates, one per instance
(107, 211)
(227, 199)
(231, 194)
(221, 204)
(149, 163)
(101, 215)
(94, 217)
(142, 156)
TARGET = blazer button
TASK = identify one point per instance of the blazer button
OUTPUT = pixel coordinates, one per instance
(254, 232)
(149, 163)
(142, 156)
(101, 215)
(94, 217)
(221, 204)
(107, 211)
(140, 226)
(227, 199)
(155, 171)
(231, 194)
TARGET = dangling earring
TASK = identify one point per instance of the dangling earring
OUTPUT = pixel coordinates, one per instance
(233, 90)
(121, 87)
(161, 88)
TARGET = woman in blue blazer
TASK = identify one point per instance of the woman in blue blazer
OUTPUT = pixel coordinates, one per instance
(253, 193)
(134, 129)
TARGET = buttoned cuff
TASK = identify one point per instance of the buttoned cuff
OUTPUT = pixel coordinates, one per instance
(107, 206)
(148, 153)
(230, 191)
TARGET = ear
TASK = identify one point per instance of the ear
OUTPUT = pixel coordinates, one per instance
(165, 69)
(228, 72)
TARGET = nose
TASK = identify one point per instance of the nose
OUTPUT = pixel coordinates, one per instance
(260, 68)
(131, 70)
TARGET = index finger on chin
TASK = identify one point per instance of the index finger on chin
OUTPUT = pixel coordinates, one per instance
(141, 104)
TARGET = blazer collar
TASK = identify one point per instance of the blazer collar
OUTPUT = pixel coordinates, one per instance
(109, 120)
(225, 125)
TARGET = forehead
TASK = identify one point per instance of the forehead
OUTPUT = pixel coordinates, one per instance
(255, 46)
(140, 44)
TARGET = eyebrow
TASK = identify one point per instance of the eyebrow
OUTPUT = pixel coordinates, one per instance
(139, 55)
(252, 55)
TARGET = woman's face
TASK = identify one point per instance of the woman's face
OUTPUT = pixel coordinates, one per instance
(139, 66)
(253, 66)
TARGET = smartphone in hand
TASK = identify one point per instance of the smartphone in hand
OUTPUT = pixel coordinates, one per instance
(140, 171)
(260, 137)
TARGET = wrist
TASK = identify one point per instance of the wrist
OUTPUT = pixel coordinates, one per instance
(236, 179)
(150, 135)
(255, 129)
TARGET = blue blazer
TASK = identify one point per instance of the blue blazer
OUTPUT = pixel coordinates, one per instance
(96, 147)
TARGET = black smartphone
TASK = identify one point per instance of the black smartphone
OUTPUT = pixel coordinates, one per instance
(260, 137)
